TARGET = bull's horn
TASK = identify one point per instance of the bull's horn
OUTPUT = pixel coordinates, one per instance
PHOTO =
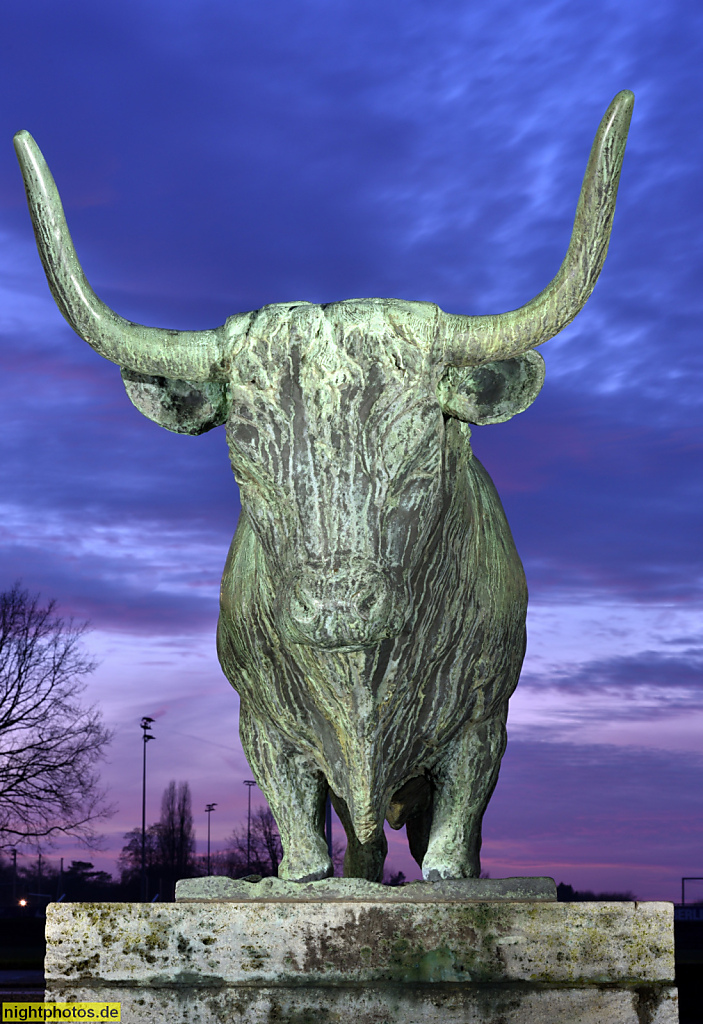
(189, 355)
(480, 339)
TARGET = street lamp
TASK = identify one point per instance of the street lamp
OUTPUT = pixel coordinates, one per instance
(249, 783)
(208, 810)
(146, 736)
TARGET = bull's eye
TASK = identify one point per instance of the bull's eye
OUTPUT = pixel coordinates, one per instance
(411, 442)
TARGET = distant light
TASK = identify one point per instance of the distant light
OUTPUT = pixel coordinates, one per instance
(23, 903)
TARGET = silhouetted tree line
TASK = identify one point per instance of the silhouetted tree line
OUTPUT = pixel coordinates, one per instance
(259, 854)
(567, 894)
(39, 881)
(169, 855)
(170, 849)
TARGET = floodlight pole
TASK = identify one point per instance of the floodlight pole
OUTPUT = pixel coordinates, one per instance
(146, 736)
(249, 783)
(208, 810)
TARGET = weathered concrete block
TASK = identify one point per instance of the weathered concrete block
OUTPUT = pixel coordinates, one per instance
(367, 960)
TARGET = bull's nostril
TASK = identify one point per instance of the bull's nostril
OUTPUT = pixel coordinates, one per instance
(367, 602)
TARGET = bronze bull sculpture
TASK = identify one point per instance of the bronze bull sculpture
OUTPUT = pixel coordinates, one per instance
(373, 603)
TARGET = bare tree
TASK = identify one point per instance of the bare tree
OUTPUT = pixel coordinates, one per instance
(266, 831)
(170, 845)
(49, 743)
(176, 836)
(265, 848)
(129, 861)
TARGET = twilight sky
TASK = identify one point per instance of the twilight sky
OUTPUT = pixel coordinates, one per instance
(217, 155)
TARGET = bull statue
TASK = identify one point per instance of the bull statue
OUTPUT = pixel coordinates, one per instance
(372, 613)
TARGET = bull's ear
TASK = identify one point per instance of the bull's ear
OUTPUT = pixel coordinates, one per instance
(493, 392)
(179, 405)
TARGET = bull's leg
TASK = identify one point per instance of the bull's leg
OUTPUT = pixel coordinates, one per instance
(361, 860)
(464, 780)
(417, 829)
(411, 805)
(296, 792)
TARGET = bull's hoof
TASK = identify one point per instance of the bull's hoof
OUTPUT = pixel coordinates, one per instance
(440, 875)
(314, 876)
(437, 869)
(311, 868)
(309, 876)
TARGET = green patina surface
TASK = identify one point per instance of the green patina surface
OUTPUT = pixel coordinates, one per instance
(373, 603)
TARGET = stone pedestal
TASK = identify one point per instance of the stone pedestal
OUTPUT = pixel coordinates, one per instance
(339, 952)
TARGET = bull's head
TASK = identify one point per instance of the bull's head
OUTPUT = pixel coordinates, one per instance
(340, 471)
(335, 414)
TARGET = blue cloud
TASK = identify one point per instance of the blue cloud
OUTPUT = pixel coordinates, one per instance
(665, 683)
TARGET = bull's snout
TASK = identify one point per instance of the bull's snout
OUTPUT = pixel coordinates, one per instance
(351, 607)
